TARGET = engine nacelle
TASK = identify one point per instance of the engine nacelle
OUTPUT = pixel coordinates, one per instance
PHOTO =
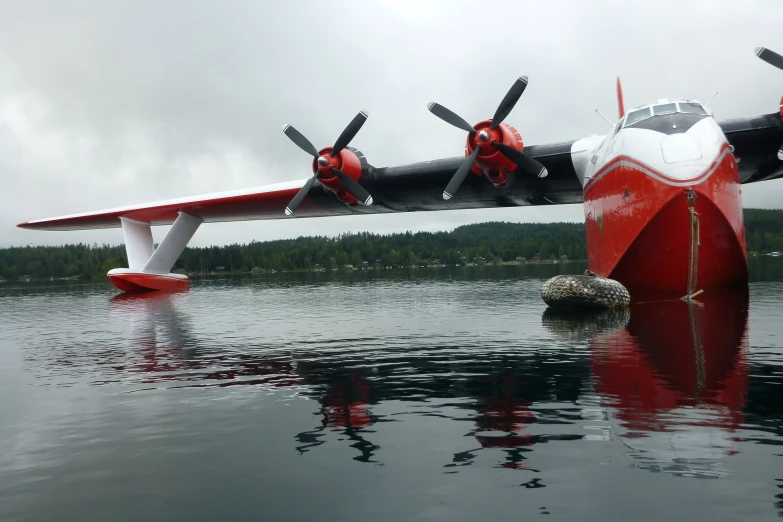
(350, 160)
(780, 151)
(338, 167)
(490, 162)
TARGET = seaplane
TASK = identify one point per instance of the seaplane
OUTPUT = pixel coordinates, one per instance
(661, 191)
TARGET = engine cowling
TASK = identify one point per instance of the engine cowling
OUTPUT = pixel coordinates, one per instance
(338, 168)
(493, 149)
(490, 162)
(349, 161)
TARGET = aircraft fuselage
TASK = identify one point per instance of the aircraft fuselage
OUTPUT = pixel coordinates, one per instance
(662, 201)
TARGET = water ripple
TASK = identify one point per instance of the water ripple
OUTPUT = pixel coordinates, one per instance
(434, 380)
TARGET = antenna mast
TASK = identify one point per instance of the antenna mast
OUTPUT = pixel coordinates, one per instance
(604, 117)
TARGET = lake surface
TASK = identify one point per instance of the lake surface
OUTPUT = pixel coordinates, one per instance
(421, 395)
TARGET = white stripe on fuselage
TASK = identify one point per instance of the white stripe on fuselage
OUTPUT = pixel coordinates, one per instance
(697, 178)
(682, 156)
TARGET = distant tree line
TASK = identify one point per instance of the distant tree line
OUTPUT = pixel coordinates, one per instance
(763, 230)
(478, 243)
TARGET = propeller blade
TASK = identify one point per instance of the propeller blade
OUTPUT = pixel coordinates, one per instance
(450, 117)
(301, 142)
(348, 133)
(771, 57)
(459, 176)
(508, 102)
(299, 196)
(353, 187)
(522, 160)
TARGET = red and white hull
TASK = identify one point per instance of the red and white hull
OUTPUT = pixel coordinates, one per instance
(639, 223)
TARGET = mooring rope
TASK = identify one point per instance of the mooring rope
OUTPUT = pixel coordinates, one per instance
(693, 250)
(698, 347)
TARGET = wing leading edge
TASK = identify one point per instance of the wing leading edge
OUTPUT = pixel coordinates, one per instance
(406, 188)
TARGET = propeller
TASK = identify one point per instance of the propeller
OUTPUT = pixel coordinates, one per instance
(522, 160)
(325, 165)
(769, 56)
(459, 176)
(774, 59)
(509, 100)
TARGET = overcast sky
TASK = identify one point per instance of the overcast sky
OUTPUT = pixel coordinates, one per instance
(106, 104)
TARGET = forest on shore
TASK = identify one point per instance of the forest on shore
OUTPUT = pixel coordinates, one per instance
(476, 244)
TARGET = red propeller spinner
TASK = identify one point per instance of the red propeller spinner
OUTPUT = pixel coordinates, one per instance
(492, 145)
(337, 167)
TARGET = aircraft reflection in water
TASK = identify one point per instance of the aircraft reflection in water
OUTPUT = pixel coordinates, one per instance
(158, 331)
(669, 380)
(343, 393)
(674, 381)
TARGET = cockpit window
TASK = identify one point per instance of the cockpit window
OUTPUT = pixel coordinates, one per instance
(636, 116)
(662, 109)
(692, 108)
(666, 108)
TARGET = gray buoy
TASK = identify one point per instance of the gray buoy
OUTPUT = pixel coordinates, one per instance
(584, 292)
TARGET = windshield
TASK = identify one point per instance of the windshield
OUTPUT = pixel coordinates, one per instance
(667, 108)
(636, 116)
(692, 108)
(662, 109)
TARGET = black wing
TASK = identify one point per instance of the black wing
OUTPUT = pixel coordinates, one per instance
(756, 143)
(405, 188)
(419, 186)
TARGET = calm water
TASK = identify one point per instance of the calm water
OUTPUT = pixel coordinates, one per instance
(430, 395)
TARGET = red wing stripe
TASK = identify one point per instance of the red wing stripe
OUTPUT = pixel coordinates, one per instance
(239, 205)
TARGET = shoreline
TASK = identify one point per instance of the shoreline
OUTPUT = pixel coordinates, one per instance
(343, 269)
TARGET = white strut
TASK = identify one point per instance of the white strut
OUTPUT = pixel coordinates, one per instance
(138, 242)
(142, 254)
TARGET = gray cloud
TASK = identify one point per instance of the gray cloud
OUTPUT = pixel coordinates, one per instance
(104, 104)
